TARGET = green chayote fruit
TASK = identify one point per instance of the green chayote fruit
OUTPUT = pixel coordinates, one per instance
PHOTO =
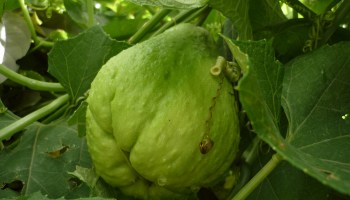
(149, 109)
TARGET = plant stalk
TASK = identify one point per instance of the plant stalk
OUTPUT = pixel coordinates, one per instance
(197, 13)
(37, 40)
(300, 8)
(177, 19)
(90, 11)
(20, 124)
(258, 178)
(30, 83)
(148, 26)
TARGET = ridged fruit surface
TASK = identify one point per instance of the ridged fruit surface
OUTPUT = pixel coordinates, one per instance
(149, 108)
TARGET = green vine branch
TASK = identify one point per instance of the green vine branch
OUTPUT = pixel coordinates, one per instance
(148, 26)
(20, 124)
(176, 20)
(37, 40)
(30, 83)
(90, 11)
(258, 178)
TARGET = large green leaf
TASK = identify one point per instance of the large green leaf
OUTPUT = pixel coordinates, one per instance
(75, 62)
(316, 99)
(42, 159)
(238, 12)
(316, 96)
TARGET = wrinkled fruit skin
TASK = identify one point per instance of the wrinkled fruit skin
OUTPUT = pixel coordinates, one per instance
(147, 113)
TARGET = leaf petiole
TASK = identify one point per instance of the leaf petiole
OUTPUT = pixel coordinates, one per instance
(148, 26)
(30, 83)
(20, 124)
(258, 178)
(37, 40)
(90, 11)
(176, 20)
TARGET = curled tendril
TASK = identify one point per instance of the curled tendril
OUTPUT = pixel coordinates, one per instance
(320, 24)
(308, 46)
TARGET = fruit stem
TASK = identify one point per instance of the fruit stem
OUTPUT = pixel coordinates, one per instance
(258, 178)
(148, 26)
(30, 83)
(20, 124)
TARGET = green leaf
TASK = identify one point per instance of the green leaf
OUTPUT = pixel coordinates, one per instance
(11, 5)
(76, 61)
(264, 13)
(126, 27)
(176, 4)
(316, 101)
(42, 159)
(38, 4)
(97, 186)
(6, 118)
(263, 75)
(278, 185)
(237, 12)
(318, 6)
(2, 7)
(77, 11)
(316, 98)
(40, 196)
(288, 37)
(79, 118)
(2, 107)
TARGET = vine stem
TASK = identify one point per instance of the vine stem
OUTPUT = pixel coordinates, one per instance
(197, 13)
(20, 124)
(90, 10)
(258, 178)
(177, 19)
(148, 26)
(30, 83)
(37, 40)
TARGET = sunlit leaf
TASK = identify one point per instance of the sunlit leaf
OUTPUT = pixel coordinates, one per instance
(316, 96)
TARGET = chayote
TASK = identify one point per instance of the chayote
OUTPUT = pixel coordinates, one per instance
(159, 124)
